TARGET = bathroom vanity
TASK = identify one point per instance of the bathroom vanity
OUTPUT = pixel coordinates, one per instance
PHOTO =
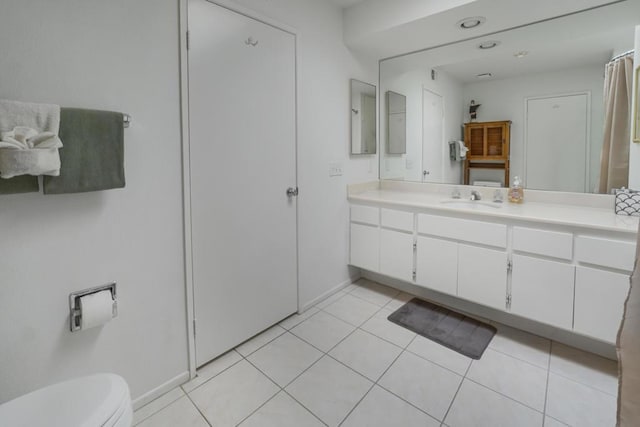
(559, 259)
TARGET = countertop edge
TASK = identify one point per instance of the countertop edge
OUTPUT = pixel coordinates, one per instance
(362, 199)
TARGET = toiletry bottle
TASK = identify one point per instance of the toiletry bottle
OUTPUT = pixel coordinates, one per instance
(516, 192)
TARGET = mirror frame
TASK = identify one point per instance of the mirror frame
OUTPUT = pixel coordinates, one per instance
(636, 107)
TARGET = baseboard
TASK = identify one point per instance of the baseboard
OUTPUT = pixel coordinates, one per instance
(330, 292)
(560, 335)
(160, 390)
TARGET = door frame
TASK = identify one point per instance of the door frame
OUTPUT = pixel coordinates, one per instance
(186, 149)
(525, 137)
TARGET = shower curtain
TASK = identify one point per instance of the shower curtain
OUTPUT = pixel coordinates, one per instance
(614, 161)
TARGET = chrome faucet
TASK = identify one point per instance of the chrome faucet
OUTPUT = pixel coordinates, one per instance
(475, 195)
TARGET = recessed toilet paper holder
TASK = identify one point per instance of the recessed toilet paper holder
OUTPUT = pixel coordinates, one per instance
(74, 303)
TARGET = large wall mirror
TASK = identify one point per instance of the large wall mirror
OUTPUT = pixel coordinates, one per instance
(363, 118)
(543, 83)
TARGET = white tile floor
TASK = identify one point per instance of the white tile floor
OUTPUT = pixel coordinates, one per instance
(343, 363)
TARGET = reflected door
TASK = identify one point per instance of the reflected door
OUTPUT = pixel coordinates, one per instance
(556, 143)
(243, 159)
(432, 136)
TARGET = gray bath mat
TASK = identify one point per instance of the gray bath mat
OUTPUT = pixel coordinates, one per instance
(453, 330)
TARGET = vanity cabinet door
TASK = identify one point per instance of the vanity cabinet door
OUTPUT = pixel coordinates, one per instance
(437, 264)
(599, 303)
(396, 254)
(365, 246)
(542, 290)
(482, 275)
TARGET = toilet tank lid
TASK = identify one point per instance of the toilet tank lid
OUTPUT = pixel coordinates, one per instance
(95, 400)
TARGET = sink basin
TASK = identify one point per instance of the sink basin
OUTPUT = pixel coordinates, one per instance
(472, 204)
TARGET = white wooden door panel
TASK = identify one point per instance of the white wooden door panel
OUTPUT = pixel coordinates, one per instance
(365, 247)
(542, 290)
(396, 254)
(482, 275)
(600, 297)
(437, 264)
(242, 156)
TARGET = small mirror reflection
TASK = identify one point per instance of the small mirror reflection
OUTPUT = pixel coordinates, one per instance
(363, 118)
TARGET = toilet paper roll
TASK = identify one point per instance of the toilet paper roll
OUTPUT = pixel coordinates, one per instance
(96, 309)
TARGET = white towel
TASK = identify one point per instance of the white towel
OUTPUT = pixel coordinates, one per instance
(35, 161)
(29, 139)
(41, 117)
(463, 150)
(24, 138)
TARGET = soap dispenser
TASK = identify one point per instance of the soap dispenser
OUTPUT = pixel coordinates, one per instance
(516, 192)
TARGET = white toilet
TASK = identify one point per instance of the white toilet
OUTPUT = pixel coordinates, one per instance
(100, 400)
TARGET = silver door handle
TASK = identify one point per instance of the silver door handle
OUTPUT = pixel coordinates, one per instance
(291, 191)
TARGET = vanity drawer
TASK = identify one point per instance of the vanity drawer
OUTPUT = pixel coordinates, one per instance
(543, 242)
(484, 233)
(399, 220)
(606, 252)
(365, 214)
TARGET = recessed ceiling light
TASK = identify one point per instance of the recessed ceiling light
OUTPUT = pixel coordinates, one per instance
(521, 54)
(484, 75)
(472, 22)
(490, 44)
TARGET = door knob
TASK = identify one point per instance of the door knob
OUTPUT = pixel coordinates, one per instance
(292, 191)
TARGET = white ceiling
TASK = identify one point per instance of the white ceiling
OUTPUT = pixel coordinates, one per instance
(378, 38)
(589, 37)
(346, 3)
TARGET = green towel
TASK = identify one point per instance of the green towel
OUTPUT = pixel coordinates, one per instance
(19, 184)
(93, 153)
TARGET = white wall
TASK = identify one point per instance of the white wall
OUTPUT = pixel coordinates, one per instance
(505, 99)
(634, 153)
(411, 84)
(116, 55)
(123, 55)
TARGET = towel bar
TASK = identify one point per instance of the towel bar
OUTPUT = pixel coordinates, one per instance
(126, 120)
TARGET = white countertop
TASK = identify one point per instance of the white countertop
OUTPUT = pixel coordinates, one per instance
(575, 215)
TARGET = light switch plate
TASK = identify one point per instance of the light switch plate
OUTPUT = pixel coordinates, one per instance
(335, 168)
(409, 163)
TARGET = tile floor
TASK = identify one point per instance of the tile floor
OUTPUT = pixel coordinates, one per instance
(342, 363)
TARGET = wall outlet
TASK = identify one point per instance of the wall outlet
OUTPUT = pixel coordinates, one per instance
(335, 168)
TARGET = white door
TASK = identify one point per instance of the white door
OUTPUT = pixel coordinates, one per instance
(243, 159)
(432, 136)
(556, 143)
